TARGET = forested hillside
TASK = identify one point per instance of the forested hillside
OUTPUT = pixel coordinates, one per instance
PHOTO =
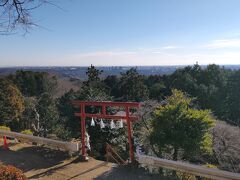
(192, 114)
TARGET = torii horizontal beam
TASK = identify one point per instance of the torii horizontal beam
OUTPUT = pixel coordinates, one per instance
(106, 103)
(132, 118)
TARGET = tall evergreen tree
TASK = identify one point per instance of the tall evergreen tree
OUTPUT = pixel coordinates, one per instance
(132, 86)
(48, 115)
(68, 124)
(231, 110)
(112, 85)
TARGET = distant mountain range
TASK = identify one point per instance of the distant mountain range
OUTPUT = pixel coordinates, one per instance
(80, 72)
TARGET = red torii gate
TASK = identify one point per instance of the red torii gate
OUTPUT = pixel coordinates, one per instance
(104, 115)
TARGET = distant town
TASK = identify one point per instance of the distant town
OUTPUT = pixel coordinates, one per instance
(79, 72)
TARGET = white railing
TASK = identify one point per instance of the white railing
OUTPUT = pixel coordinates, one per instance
(196, 170)
(68, 146)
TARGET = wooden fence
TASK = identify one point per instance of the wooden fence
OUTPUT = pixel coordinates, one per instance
(196, 170)
(68, 146)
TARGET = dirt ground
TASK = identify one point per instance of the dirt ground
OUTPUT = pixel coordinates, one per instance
(43, 163)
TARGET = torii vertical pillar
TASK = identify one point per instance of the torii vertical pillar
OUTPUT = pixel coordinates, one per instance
(83, 131)
(129, 127)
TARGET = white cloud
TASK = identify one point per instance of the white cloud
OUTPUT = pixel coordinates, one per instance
(153, 56)
(224, 43)
(141, 56)
(104, 53)
(170, 47)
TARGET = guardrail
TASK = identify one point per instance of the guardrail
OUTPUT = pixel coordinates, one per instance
(188, 168)
(68, 146)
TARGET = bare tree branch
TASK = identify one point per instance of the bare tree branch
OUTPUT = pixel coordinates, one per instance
(16, 15)
(226, 146)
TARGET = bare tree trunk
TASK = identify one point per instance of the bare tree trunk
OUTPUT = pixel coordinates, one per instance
(175, 154)
(37, 127)
(175, 157)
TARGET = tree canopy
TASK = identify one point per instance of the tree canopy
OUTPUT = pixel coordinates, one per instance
(231, 111)
(132, 87)
(207, 84)
(11, 102)
(178, 126)
(34, 83)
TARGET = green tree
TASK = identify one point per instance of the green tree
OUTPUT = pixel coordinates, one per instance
(93, 88)
(132, 86)
(30, 113)
(68, 125)
(11, 102)
(212, 88)
(93, 74)
(40, 115)
(208, 85)
(232, 100)
(179, 127)
(112, 85)
(47, 115)
(34, 83)
(156, 86)
(38, 89)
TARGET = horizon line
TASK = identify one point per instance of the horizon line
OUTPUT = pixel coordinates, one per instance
(74, 66)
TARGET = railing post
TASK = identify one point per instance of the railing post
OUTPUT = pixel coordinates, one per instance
(5, 144)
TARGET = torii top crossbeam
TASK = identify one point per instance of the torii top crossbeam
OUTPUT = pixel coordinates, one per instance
(126, 105)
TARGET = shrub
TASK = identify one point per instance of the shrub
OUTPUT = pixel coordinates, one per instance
(210, 165)
(180, 129)
(5, 128)
(186, 176)
(11, 173)
(27, 131)
(226, 146)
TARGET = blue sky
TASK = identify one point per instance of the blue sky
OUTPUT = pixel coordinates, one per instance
(128, 32)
